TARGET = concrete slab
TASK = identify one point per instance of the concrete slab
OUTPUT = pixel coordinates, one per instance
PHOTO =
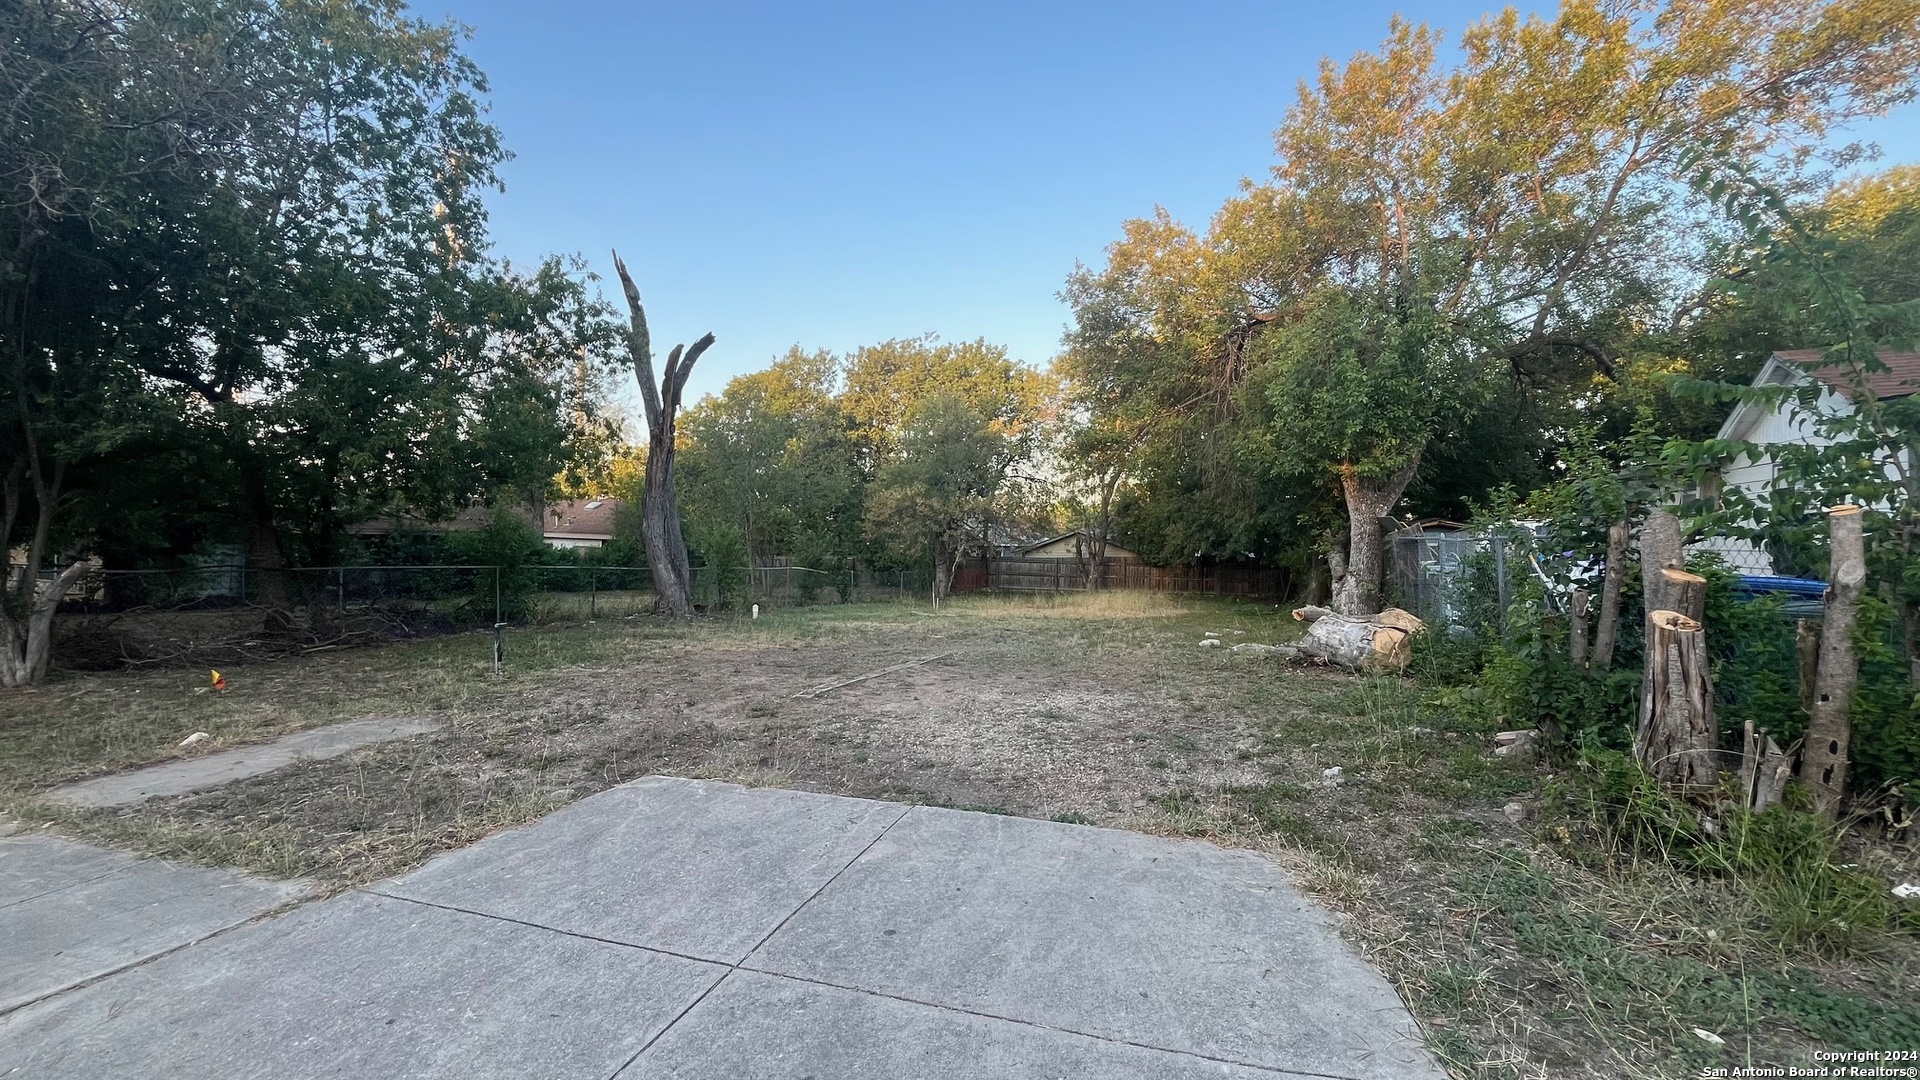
(36, 864)
(92, 925)
(1176, 945)
(363, 986)
(225, 766)
(762, 1027)
(691, 867)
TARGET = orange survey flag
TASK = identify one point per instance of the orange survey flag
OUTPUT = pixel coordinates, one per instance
(219, 681)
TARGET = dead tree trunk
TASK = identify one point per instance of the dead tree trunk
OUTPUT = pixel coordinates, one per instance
(1764, 769)
(1608, 631)
(1677, 737)
(1577, 627)
(1662, 547)
(1368, 500)
(1823, 765)
(660, 530)
(1683, 592)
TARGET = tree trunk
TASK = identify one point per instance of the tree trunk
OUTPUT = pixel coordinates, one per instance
(1577, 627)
(1677, 737)
(1368, 500)
(659, 508)
(1823, 765)
(26, 626)
(1683, 592)
(1608, 631)
(1806, 648)
(1662, 547)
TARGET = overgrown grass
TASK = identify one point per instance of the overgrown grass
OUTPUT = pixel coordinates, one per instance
(1587, 940)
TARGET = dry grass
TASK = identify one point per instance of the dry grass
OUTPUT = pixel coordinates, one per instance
(1520, 961)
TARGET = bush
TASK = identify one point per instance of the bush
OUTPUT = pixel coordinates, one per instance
(512, 544)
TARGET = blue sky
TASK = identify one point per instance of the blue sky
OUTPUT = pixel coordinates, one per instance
(833, 174)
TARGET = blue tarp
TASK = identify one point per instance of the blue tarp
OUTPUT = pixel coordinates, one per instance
(1757, 583)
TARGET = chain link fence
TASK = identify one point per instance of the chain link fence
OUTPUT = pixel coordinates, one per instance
(226, 613)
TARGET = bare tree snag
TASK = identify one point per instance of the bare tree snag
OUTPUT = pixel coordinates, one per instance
(1368, 500)
(1577, 627)
(1823, 764)
(1677, 737)
(1662, 547)
(1608, 631)
(660, 529)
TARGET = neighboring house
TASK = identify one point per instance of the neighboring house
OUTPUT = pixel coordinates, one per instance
(580, 523)
(569, 523)
(1787, 423)
(1073, 545)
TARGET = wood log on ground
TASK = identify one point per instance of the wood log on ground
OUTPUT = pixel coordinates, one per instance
(1577, 627)
(1677, 737)
(1310, 612)
(1382, 641)
(1823, 764)
(1608, 631)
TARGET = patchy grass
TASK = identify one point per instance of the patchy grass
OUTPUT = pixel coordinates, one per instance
(1526, 950)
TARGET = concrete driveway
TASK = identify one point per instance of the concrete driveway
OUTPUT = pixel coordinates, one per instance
(679, 928)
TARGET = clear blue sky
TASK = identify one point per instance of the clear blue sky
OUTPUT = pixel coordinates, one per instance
(835, 174)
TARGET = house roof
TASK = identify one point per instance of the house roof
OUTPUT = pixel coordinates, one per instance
(587, 519)
(1901, 379)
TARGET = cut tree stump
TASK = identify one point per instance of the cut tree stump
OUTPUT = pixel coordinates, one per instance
(1678, 590)
(1823, 764)
(1577, 628)
(1764, 769)
(1677, 737)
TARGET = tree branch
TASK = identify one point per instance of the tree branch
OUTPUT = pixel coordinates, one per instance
(640, 344)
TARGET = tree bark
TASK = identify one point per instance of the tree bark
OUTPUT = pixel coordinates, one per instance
(1764, 769)
(1368, 500)
(1677, 737)
(1608, 631)
(660, 528)
(1806, 648)
(1823, 765)
(1662, 547)
(26, 630)
(1683, 592)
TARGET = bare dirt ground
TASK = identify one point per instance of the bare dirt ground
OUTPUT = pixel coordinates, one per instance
(1520, 958)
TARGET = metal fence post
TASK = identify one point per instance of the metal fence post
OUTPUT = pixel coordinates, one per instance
(1500, 587)
(496, 603)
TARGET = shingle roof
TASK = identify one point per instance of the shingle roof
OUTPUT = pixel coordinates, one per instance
(1901, 378)
(589, 518)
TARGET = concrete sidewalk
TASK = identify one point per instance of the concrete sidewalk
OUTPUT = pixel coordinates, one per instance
(677, 928)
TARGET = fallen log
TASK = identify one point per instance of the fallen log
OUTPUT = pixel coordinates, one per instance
(1374, 642)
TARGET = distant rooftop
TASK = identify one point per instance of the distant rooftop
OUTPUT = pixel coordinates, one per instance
(1901, 379)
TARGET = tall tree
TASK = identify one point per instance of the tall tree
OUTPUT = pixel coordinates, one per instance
(1519, 214)
(936, 495)
(660, 527)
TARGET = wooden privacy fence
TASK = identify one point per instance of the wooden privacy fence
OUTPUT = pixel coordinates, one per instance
(1066, 575)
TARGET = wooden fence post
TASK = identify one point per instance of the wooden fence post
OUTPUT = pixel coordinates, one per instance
(1823, 765)
(1577, 628)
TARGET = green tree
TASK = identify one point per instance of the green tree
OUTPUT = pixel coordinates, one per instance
(935, 496)
(771, 460)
